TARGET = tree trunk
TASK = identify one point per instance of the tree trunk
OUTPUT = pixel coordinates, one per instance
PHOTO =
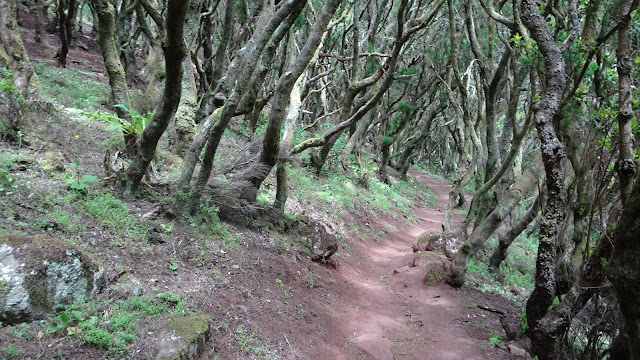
(480, 234)
(12, 51)
(40, 33)
(505, 240)
(553, 153)
(245, 66)
(185, 125)
(624, 268)
(271, 143)
(174, 53)
(282, 187)
(117, 81)
(625, 166)
(66, 14)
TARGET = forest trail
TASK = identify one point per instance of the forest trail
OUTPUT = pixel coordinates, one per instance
(384, 315)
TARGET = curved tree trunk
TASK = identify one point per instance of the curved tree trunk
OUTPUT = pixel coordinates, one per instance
(505, 240)
(244, 66)
(480, 234)
(174, 53)
(271, 143)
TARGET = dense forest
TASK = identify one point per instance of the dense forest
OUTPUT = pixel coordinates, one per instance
(169, 128)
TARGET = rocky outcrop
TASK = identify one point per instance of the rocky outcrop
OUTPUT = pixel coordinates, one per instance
(436, 266)
(318, 238)
(184, 338)
(445, 243)
(37, 273)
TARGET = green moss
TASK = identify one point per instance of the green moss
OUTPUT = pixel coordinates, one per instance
(189, 328)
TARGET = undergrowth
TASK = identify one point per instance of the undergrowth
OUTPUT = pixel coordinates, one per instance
(69, 89)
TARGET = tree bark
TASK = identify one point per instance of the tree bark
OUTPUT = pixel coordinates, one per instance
(117, 81)
(184, 119)
(174, 53)
(245, 66)
(40, 34)
(624, 268)
(505, 240)
(553, 153)
(625, 166)
(12, 51)
(480, 234)
(271, 143)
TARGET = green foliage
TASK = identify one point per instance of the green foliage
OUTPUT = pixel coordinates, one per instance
(71, 87)
(13, 352)
(387, 140)
(248, 342)
(113, 326)
(8, 182)
(404, 107)
(113, 214)
(524, 324)
(494, 338)
(60, 323)
(22, 331)
(207, 221)
(11, 101)
(135, 125)
(79, 182)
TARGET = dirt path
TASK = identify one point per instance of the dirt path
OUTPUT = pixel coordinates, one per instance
(396, 316)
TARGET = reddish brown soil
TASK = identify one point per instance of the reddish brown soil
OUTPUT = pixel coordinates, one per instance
(382, 315)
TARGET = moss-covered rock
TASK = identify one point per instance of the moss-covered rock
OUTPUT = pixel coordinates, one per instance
(184, 338)
(445, 243)
(318, 239)
(39, 272)
(52, 162)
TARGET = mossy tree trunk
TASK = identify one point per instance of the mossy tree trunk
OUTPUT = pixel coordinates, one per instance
(271, 143)
(241, 70)
(184, 120)
(624, 268)
(505, 240)
(174, 53)
(553, 152)
(117, 81)
(12, 51)
(41, 9)
(480, 234)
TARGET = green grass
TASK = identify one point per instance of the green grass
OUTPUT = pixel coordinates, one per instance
(114, 215)
(248, 342)
(8, 183)
(13, 352)
(338, 194)
(112, 326)
(69, 89)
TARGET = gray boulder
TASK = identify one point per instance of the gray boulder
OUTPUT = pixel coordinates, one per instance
(38, 273)
(319, 239)
(445, 243)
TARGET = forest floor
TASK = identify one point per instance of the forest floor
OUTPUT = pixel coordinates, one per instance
(386, 311)
(266, 300)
